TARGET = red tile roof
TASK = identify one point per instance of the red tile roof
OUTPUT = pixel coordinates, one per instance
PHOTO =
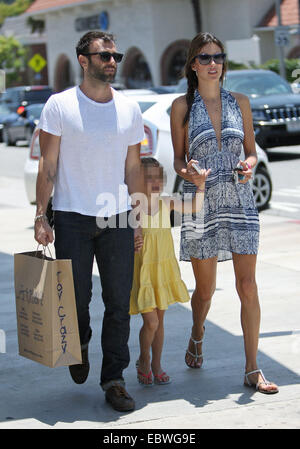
(40, 5)
(289, 14)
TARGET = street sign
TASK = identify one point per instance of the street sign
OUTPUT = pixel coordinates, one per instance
(282, 36)
(37, 62)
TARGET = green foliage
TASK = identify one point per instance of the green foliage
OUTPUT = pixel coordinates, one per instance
(232, 65)
(12, 58)
(272, 64)
(290, 66)
(13, 9)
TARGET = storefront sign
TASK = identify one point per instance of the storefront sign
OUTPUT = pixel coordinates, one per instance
(99, 21)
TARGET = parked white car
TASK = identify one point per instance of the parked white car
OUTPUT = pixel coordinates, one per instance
(158, 144)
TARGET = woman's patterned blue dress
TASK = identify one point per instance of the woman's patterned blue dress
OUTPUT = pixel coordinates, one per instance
(228, 222)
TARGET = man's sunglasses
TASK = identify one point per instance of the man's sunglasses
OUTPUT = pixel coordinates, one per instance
(105, 56)
(204, 58)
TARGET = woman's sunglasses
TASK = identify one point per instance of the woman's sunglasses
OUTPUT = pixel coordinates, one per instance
(204, 58)
(105, 56)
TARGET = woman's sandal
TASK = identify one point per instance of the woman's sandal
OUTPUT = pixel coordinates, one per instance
(146, 376)
(158, 379)
(195, 356)
(257, 385)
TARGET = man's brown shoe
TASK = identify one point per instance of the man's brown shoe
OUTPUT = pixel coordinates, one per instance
(119, 399)
(80, 372)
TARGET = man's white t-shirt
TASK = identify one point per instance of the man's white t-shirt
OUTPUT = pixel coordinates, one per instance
(93, 150)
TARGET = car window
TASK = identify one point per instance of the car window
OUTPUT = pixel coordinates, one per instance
(144, 105)
(39, 96)
(252, 84)
(10, 96)
(257, 84)
(4, 109)
(34, 111)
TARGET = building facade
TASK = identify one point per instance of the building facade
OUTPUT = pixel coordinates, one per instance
(153, 34)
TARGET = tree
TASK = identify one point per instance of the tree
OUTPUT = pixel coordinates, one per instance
(12, 58)
(8, 9)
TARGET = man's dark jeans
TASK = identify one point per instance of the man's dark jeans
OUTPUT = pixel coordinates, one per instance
(78, 237)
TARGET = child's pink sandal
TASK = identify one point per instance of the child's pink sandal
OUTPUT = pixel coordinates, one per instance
(145, 376)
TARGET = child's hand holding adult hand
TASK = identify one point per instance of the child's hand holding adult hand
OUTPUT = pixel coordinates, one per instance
(138, 240)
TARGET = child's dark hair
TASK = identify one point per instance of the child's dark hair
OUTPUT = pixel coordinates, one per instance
(150, 162)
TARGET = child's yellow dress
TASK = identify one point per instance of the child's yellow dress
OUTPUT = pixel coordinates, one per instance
(156, 281)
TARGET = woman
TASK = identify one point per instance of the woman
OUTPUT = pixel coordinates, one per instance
(212, 125)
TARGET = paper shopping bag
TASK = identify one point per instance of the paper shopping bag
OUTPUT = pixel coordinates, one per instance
(46, 309)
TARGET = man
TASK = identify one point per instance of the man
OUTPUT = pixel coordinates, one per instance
(90, 144)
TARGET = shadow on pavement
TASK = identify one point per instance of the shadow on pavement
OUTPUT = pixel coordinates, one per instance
(32, 391)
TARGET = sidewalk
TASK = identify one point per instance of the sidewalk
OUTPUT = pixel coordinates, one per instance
(34, 396)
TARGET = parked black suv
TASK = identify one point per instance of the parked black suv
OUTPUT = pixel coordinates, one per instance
(275, 108)
(14, 97)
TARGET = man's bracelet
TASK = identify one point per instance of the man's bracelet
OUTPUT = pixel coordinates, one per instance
(40, 217)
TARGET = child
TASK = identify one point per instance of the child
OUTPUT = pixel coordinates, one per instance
(157, 281)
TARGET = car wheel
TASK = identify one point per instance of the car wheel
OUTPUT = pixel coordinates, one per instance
(6, 138)
(262, 188)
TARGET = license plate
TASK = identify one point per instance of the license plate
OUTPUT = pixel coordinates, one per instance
(293, 126)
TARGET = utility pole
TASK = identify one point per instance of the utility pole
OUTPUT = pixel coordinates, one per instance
(196, 4)
(280, 47)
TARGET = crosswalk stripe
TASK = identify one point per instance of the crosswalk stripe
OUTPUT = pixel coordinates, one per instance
(287, 207)
(292, 193)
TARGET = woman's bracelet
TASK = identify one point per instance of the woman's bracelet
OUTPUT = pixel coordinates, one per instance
(200, 190)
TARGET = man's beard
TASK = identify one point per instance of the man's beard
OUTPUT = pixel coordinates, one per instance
(101, 75)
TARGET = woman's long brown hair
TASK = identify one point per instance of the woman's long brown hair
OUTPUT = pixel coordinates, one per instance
(192, 81)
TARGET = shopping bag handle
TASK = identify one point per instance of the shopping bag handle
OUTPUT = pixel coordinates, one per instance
(44, 250)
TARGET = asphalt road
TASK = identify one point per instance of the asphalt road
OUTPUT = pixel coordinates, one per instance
(285, 167)
(12, 160)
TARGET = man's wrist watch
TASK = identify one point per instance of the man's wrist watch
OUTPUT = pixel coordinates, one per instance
(40, 217)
